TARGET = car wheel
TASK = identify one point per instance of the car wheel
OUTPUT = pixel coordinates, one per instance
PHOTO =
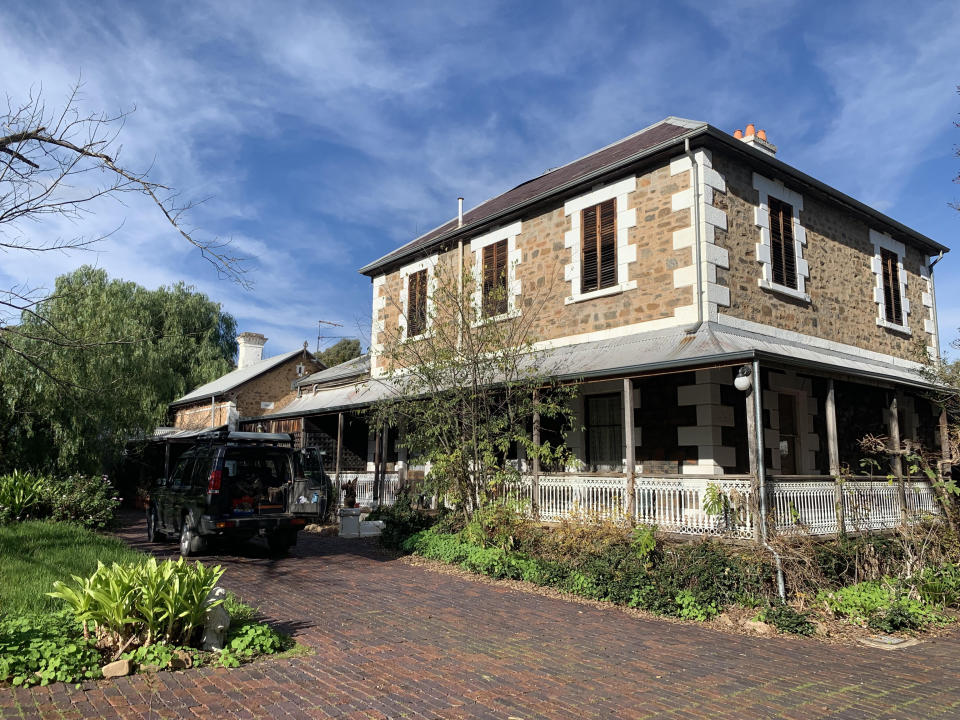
(279, 542)
(153, 534)
(190, 541)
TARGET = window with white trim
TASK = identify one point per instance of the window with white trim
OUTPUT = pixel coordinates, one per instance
(418, 285)
(598, 243)
(890, 289)
(783, 269)
(494, 291)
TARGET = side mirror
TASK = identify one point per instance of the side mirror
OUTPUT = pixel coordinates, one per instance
(161, 482)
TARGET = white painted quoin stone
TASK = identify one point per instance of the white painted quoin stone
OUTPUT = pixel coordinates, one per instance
(712, 255)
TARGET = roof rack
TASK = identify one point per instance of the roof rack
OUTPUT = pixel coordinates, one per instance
(247, 438)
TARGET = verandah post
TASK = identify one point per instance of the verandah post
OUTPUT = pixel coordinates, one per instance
(629, 450)
(535, 464)
(833, 456)
(896, 462)
(754, 468)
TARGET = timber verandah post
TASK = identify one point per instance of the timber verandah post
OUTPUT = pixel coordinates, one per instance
(535, 465)
(629, 450)
(833, 455)
(896, 462)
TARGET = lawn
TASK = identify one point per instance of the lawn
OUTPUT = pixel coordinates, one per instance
(35, 553)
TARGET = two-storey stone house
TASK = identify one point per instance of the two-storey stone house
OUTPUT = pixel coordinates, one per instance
(665, 266)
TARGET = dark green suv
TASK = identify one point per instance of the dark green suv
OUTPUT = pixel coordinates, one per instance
(232, 486)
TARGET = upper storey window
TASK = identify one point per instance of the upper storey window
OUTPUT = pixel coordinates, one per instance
(783, 256)
(783, 269)
(417, 303)
(599, 259)
(890, 290)
(893, 311)
(495, 299)
(601, 251)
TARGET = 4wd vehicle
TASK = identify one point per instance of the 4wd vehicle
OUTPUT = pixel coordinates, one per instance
(232, 486)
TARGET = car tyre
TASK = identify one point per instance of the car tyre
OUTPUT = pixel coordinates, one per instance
(190, 541)
(153, 534)
(280, 542)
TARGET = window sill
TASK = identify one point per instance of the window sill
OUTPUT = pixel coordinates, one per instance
(509, 315)
(783, 290)
(414, 338)
(612, 290)
(902, 329)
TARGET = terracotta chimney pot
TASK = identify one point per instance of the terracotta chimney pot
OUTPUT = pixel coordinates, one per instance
(751, 129)
(762, 134)
(738, 133)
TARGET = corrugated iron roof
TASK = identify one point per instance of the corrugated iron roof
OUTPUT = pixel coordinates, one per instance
(356, 367)
(649, 352)
(235, 378)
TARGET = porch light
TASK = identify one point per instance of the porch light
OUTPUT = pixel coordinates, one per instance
(743, 381)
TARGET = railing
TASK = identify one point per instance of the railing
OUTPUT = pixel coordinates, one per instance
(680, 503)
(364, 480)
(810, 505)
(672, 503)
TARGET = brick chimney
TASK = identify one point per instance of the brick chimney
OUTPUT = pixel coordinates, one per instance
(251, 349)
(756, 139)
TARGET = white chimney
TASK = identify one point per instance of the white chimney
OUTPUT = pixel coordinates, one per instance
(250, 349)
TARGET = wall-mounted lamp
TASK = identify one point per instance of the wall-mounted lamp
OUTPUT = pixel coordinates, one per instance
(743, 381)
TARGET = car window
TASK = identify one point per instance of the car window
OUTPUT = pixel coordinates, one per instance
(183, 471)
(201, 471)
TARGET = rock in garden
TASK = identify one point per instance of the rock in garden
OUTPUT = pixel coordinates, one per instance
(118, 668)
(755, 626)
(725, 620)
(181, 660)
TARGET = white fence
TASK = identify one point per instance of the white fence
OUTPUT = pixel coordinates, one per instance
(364, 480)
(810, 505)
(674, 504)
(707, 504)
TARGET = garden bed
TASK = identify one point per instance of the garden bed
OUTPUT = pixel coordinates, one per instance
(42, 639)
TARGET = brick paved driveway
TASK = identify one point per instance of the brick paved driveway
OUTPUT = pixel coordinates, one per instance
(393, 640)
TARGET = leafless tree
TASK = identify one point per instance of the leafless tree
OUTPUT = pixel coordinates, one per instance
(58, 162)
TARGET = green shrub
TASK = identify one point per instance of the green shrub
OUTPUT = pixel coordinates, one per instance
(503, 525)
(21, 496)
(939, 585)
(690, 607)
(45, 648)
(250, 640)
(87, 500)
(239, 612)
(148, 601)
(788, 620)
(401, 520)
(903, 614)
(858, 602)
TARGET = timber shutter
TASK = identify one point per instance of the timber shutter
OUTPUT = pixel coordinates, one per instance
(599, 260)
(782, 253)
(495, 279)
(891, 287)
(416, 303)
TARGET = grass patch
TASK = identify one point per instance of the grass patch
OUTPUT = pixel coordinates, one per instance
(35, 553)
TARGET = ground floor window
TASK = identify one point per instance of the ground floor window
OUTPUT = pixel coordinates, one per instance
(604, 430)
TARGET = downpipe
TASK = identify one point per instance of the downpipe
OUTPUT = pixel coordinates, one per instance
(762, 476)
(698, 289)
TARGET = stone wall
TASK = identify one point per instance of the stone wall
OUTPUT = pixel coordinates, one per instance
(543, 269)
(275, 385)
(841, 282)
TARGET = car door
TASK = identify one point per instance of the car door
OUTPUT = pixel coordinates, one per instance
(312, 485)
(169, 507)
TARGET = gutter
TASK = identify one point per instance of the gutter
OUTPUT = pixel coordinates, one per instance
(706, 131)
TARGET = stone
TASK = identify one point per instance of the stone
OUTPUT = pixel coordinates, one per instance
(182, 660)
(118, 668)
(725, 620)
(757, 627)
(887, 642)
(217, 622)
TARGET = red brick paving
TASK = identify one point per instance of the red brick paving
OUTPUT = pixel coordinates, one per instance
(397, 641)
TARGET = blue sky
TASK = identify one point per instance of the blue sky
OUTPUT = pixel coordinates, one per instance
(327, 134)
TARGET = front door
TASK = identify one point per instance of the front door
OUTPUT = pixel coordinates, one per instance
(789, 465)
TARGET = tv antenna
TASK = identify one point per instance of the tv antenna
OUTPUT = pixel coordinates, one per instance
(320, 324)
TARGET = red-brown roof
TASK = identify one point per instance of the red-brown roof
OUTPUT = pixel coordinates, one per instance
(612, 155)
